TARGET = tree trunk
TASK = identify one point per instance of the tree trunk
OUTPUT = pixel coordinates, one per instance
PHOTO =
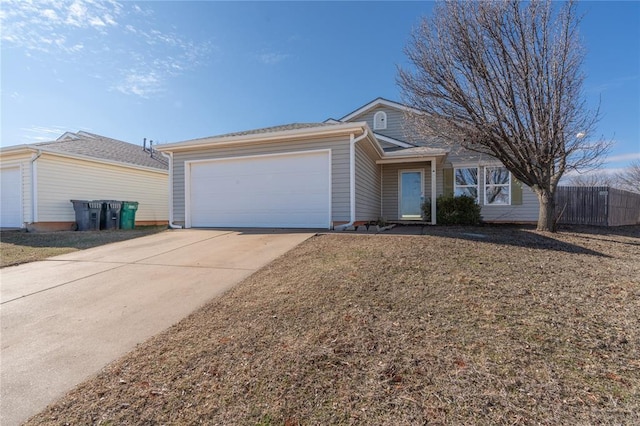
(547, 212)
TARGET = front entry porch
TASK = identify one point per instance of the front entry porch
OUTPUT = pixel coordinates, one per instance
(406, 186)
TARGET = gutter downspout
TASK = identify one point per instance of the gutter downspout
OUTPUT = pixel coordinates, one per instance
(34, 186)
(352, 180)
(169, 158)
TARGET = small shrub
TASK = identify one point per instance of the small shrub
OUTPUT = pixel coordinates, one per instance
(426, 210)
(462, 210)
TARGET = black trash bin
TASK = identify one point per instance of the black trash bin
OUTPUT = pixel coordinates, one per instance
(110, 214)
(87, 214)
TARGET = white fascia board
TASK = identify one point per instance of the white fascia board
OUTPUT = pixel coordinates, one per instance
(309, 132)
(400, 157)
(413, 159)
(393, 141)
(378, 102)
(17, 149)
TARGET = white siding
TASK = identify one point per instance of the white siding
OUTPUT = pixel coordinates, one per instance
(339, 168)
(63, 179)
(367, 183)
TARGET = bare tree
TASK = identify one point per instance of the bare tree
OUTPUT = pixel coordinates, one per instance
(592, 179)
(629, 178)
(504, 78)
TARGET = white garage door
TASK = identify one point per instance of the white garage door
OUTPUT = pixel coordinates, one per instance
(10, 199)
(280, 191)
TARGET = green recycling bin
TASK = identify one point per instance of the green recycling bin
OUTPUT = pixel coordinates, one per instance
(128, 214)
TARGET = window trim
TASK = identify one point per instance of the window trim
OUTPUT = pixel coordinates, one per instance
(486, 185)
(380, 123)
(477, 185)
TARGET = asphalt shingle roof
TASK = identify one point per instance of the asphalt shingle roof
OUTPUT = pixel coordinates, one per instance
(103, 148)
(265, 130)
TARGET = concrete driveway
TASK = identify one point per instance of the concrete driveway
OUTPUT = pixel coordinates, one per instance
(65, 318)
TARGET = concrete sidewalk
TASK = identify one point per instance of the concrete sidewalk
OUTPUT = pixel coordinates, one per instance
(65, 318)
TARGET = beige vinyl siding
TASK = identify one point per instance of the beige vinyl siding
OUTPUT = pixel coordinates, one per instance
(339, 168)
(390, 187)
(63, 179)
(525, 212)
(458, 155)
(24, 162)
(367, 183)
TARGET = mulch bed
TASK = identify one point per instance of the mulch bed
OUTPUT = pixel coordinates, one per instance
(488, 325)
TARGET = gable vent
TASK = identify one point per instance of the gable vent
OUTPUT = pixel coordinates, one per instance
(380, 120)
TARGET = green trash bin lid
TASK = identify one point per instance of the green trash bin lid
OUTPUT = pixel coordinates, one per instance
(130, 205)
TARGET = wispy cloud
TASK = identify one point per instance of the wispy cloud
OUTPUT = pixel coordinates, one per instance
(33, 25)
(44, 134)
(118, 41)
(140, 83)
(623, 157)
(271, 58)
(613, 83)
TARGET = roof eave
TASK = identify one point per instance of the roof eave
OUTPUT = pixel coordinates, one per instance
(304, 133)
(411, 158)
(17, 149)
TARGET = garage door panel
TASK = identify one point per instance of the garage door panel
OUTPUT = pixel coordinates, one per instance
(262, 183)
(10, 197)
(263, 191)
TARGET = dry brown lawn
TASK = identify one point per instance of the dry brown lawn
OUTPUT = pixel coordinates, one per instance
(488, 325)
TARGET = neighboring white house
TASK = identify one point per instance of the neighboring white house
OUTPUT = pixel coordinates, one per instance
(366, 166)
(40, 179)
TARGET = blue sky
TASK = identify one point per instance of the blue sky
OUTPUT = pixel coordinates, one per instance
(175, 70)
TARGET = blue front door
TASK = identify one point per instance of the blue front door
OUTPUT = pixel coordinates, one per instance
(411, 195)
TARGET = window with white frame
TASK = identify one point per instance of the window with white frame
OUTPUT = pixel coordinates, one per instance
(380, 120)
(497, 186)
(466, 182)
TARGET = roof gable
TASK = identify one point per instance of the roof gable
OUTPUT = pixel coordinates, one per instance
(378, 102)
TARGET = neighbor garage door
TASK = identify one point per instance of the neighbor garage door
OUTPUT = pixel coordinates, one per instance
(10, 199)
(283, 191)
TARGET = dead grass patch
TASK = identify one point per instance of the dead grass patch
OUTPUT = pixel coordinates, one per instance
(513, 327)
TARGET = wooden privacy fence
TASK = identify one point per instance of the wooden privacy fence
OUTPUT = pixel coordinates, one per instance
(597, 205)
